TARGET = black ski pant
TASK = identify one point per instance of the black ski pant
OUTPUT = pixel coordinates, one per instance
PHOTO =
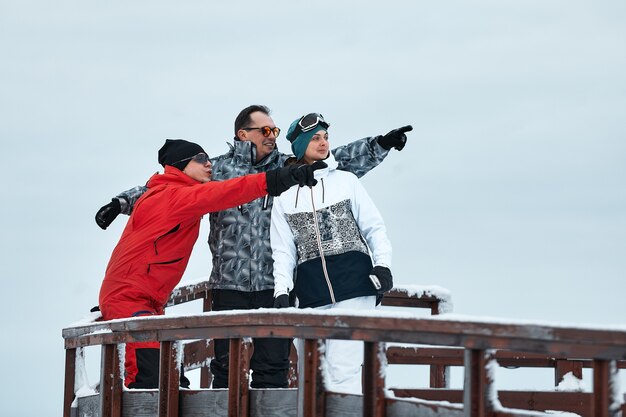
(270, 358)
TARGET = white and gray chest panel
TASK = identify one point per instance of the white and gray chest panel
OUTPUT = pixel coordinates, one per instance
(339, 232)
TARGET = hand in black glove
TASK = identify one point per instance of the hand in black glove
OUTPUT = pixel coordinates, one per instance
(383, 275)
(108, 213)
(395, 139)
(282, 301)
(280, 180)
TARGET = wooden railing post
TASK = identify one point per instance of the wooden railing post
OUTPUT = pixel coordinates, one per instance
(238, 378)
(439, 374)
(374, 381)
(205, 376)
(604, 377)
(70, 381)
(477, 384)
(110, 382)
(314, 401)
(169, 379)
(565, 366)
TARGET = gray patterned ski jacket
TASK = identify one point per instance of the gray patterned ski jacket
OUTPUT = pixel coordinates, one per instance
(239, 238)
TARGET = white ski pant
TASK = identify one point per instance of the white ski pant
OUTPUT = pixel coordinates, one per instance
(343, 358)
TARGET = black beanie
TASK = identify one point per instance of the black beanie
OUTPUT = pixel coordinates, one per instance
(178, 153)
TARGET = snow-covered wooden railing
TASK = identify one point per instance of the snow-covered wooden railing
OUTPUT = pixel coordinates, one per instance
(197, 354)
(434, 298)
(478, 337)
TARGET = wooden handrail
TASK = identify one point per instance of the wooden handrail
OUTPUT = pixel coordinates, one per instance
(585, 342)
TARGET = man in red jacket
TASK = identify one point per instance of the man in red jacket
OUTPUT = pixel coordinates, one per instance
(153, 252)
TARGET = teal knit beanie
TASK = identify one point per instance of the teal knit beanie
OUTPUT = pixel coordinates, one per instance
(300, 143)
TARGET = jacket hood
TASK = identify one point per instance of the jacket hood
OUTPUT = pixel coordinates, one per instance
(172, 175)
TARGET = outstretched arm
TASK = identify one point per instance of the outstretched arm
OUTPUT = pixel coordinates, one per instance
(122, 203)
(129, 197)
(193, 201)
(360, 156)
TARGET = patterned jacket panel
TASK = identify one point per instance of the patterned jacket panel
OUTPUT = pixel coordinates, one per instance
(338, 232)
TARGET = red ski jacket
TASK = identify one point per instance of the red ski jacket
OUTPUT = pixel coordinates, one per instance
(156, 244)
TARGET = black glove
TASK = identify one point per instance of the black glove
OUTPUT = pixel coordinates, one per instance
(395, 139)
(282, 301)
(108, 213)
(280, 180)
(382, 276)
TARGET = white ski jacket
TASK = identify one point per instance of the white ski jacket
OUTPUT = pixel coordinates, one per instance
(326, 234)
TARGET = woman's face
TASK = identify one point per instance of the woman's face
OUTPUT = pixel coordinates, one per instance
(318, 147)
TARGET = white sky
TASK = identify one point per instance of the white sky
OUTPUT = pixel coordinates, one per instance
(510, 192)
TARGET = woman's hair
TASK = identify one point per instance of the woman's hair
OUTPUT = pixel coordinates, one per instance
(243, 118)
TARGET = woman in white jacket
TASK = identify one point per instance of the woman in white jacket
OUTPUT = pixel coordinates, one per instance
(334, 238)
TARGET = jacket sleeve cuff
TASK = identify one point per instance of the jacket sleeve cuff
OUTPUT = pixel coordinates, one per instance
(280, 292)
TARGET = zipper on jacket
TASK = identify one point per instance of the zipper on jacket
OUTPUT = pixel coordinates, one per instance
(319, 245)
(174, 229)
(164, 263)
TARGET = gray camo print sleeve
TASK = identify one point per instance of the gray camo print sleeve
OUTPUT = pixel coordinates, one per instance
(128, 198)
(360, 156)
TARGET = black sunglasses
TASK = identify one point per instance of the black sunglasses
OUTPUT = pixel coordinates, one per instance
(200, 158)
(266, 131)
(307, 123)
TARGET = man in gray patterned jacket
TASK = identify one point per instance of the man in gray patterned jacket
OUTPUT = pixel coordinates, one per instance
(239, 238)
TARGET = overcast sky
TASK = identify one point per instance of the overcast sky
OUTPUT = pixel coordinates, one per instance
(510, 192)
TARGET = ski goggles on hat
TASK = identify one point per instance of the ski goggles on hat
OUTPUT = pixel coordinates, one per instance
(266, 131)
(308, 123)
(200, 158)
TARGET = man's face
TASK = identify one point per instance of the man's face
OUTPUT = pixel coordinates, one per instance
(264, 145)
(199, 172)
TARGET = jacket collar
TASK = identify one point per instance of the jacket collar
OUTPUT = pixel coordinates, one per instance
(244, 151)
(171, 176)
(332, 165)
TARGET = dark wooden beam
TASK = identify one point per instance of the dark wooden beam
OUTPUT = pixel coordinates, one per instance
(70, 381)
(373, 380)
(205, 374)
(557, 341)
(564, 366)
(477, 384)
(110, 382)
(169, 380)
(601, 388)
(314, 404)
(238, 383)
